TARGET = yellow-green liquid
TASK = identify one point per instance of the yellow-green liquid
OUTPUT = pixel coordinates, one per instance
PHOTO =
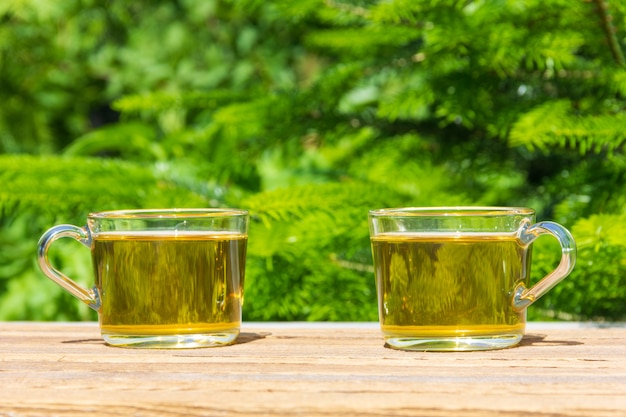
(446, 285)
(166, 283)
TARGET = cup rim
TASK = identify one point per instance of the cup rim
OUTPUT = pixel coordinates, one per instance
(476, 211)
(168, 213)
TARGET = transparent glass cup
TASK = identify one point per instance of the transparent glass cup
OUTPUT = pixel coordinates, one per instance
(170, 278)
(457, 278)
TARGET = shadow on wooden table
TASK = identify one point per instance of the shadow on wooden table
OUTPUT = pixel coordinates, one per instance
(539, 339)
(245, 337)
(90, 341)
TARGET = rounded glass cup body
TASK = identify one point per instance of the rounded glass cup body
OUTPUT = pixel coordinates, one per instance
(455, 278)
(170, 278)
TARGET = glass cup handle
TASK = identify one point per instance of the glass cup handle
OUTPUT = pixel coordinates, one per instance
(91, 297)
(524, 297)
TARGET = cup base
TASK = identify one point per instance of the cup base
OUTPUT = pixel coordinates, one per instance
(454, 344)
(176, 341)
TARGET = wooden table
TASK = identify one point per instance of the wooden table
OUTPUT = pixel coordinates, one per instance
(312, 369)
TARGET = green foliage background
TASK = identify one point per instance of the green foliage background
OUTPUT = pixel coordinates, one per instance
(309, 113)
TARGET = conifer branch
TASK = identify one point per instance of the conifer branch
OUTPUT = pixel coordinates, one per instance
(355, 10)
(610, 30)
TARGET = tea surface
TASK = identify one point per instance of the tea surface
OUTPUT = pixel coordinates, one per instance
(166, 283)
(445, 284)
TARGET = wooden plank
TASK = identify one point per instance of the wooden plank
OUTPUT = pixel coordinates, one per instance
(310, 369)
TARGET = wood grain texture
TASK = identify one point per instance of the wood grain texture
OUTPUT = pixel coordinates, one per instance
(55, 369)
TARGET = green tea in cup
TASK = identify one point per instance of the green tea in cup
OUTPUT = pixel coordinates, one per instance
(163, 278)
(458, 278)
